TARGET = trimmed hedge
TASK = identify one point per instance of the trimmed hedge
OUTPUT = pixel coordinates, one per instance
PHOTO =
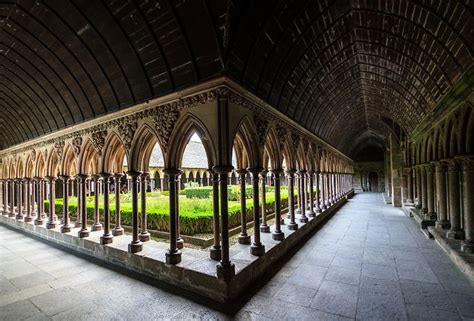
(195, 215)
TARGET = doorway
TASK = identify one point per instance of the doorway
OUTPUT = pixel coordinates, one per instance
(373, 182)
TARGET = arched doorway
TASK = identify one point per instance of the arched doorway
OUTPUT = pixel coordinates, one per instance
(373, 182)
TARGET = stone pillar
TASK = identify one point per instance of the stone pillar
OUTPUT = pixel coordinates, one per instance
(419, 195)
(118, 229)
(28, 217)
(409, 178)
(277, 233)
(66, 227)
(291, 199)
(455, 232)
(173, 255)
(225, 269)
(318, 194)
(52, 200)
(424, 190)
(39, 217)
(323, 192)
(311, 212)
(78, 222)
(431, 215)
(144, 234)
(468, 202)
(302, 193)
(215, 251)
(333, 188)
(19, 215)
(257, 248)
(264, 228)
(328, 190)
(97, 226)
(441, 204)
(107, 237)
(13, 198)
(82, 181)
(135, 245)
(244, 238)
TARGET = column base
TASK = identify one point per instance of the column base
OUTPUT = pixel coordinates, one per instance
(467, 247)
(83, 233)
(215, 253)
(11, 214)
(455, 234)
(19, 216)
(318, 211)
(106, 239)
(39, 221)
(179, 243)
(323, 208)
(96, 227)
(442, 225)
(135, 247)
(28, 219)
(304, 220)
(293, 226)
(244, 239)
(225, 272)
(144, 237)
(173, 257)
(278, 236)
(264, 228)
(311, 214)
(430, 216)
(257, 249)
(51, 225)
(117, 231)
(66, 228)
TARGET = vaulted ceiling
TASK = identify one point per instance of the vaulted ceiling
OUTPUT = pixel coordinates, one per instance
(350, 71)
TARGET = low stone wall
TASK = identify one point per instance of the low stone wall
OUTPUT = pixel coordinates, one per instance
(197, 276)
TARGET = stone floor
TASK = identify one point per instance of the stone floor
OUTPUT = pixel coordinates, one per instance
(368, 262)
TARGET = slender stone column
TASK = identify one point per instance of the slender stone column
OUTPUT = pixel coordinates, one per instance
(3, 195)
(468, 202)
(323, 192)
(424, 189)
(19, 214)
(28, 217)
(431, 214)
(291, 199)
(277, 234)
(442, 213)
(52, 200)
(66, 227)
(107, 237)
(419, 195)
(455, 232)
(82, 181)
(302, 193)
(225, 269)
(135, 245)
(179, 240)
(244, 238)
(318, 194)
(78, 222)
(144, 234)
(264, 228)
(328, 190)
(39, 217)
(311, 212)
(409, 189)
(215, 251)
(97, 226)
(13, 197)
(257, 248)
(173, 255)
(118, 229)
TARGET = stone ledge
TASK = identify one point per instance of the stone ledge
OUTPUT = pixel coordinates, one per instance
(464, 261)
(197, 272)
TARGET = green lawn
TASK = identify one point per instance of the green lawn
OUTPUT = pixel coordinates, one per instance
(195, 214)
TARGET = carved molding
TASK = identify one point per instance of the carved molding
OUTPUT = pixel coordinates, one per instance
(59, 148)
(98, 141)
(261, 125)
(164, 121)
(76, 145)
(127, 131)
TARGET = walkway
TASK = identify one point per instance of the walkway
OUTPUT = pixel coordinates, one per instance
(370, 262)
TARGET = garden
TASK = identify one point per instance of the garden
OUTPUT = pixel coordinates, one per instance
(195, 208)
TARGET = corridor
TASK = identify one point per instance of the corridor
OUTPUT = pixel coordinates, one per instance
(368, 262)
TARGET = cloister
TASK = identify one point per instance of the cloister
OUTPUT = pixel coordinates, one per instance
(300, 117)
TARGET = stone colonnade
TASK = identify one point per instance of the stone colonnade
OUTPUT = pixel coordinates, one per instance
(92, 158)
